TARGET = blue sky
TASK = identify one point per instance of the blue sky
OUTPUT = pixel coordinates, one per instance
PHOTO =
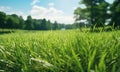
(54, 10)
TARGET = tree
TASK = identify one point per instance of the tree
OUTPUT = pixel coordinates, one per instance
(49, 25)
(55, 25)
(15, 19)
(29, 23)
(44, 25)
(21, 23)
(81, 14)
(12, 21)
(95, 12)
(2, 20)
(115, 14)
(37, 24)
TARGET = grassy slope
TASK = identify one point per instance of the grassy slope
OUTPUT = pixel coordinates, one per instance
(56, 51)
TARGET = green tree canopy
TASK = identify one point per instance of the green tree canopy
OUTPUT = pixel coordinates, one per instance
(95, 12)
(29, 23)
(21, 23)
(12, 21)
(55, 25)
(2, 19)
(44, 24)
(115, 14)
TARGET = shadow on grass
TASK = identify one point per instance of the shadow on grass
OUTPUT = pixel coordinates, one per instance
(6, 32)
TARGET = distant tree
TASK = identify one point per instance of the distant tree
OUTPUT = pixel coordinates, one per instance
(69, 26)
(2, 20)
(21, 23)
(55, 25)
(29, 23)
(15, 19)
(115, 14)
(12, 21)
(61, 26)
(44, 25)
(37, 24)
(49, 25)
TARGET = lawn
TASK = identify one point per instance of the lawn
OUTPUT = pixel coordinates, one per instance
(60, 51)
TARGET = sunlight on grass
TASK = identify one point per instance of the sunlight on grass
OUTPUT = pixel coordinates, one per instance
(60, 51)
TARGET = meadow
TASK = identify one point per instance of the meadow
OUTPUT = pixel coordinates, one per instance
(60, 51)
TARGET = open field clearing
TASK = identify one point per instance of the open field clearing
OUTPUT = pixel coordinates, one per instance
(60, 51)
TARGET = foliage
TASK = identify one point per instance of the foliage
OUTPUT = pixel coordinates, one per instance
(115, 14)
(44, 25)
(12, 21)
(95, 12)
(55, 26)
(99, 13)
(17, 22)
(2, 19)
(29, 23)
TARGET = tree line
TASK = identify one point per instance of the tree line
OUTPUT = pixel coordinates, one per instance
(98, 13)
(14, 21)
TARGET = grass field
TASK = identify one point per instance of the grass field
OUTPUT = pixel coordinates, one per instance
(60, 51)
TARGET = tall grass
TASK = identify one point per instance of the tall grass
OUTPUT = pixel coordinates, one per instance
(60, 51)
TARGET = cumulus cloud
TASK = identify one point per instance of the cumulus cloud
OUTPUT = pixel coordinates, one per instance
(5, 8)
(40, 12)
(74, 8)
(35, 2)
(51, 4)
(50, 13)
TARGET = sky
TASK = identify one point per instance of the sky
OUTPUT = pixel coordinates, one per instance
(61, 11)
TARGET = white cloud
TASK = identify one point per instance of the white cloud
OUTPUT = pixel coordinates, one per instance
(39, 12)
(50, 13)
(51, 4)
(5, 8)
(35, 2)
(74, 8)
